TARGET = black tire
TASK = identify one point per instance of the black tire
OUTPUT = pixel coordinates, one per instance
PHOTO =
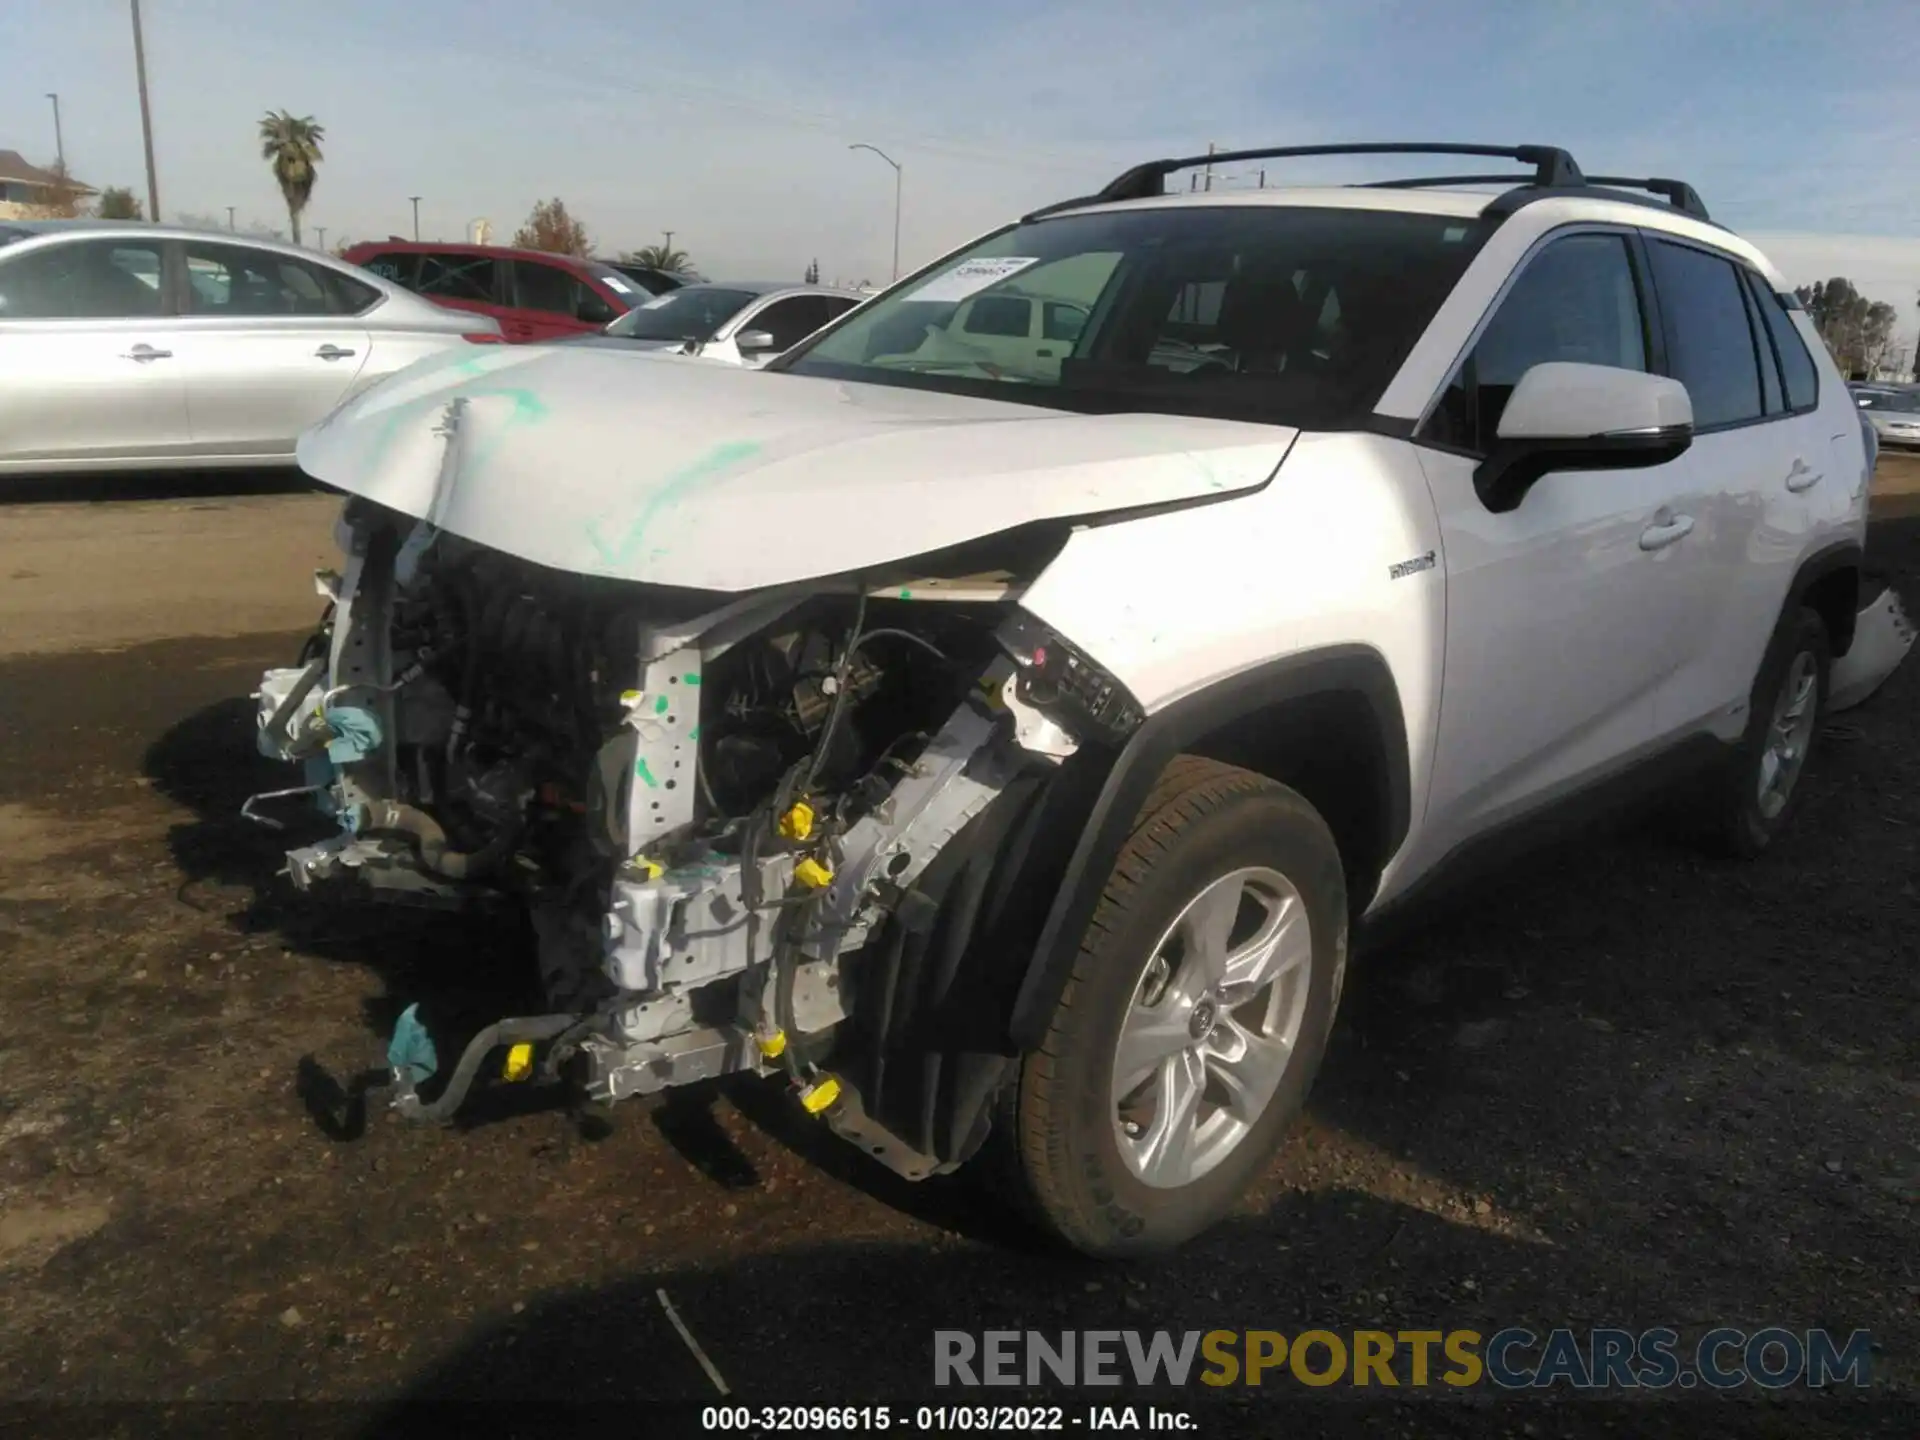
(1737, 823)
(1202, 821)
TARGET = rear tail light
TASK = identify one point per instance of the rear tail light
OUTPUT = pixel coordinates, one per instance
(482, 338)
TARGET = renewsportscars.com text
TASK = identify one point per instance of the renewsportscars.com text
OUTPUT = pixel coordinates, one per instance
(1513, 1359)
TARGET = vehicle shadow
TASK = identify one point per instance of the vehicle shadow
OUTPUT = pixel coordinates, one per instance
(853, 1325)
(58, 489)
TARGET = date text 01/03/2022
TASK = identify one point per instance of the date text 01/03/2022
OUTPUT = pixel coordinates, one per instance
(941, 1419)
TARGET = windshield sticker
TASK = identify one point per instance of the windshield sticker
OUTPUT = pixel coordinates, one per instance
(614, 284)
(971, 276)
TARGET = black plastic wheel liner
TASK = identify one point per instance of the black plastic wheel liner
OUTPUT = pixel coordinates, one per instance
(928, 1049)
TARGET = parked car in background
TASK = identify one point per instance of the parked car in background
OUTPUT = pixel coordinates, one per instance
(133, 346)
(742, 323)
(650, 279)
(534, 294)
(1893, 411)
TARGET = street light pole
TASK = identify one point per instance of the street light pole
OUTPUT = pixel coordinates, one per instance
(59, 144)
(231, 226)
(146, 117)
(321, 231)
(416, 215)
(896, 199)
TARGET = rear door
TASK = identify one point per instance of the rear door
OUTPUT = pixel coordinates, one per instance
(462, 281)
(1756, 457)
(264, 353)
(551, 300)
(1567, 614)
(89, 356)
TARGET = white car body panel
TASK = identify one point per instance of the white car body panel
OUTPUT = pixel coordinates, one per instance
(745, 479)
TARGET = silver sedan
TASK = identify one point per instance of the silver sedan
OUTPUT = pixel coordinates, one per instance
(127, 346)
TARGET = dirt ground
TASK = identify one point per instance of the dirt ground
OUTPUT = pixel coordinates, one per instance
(1632, 1088)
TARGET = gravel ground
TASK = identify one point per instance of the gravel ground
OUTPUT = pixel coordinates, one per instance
(1631, 1087)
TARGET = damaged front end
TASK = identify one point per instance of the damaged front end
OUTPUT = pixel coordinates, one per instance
(710, 806)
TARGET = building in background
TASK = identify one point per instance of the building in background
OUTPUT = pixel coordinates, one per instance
(28, 192)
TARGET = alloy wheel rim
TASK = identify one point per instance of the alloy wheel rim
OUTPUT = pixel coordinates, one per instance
(1212, 1027)
(1789, 734)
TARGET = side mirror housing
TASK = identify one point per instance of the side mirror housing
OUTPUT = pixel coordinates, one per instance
(1568, 416)
(753, 342)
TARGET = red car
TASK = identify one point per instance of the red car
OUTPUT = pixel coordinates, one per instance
(534, 295)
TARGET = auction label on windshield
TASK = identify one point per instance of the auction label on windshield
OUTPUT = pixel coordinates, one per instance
(970, 276)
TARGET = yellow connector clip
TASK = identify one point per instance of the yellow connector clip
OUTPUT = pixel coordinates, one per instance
(812, 874)
(772, 1046)
(650, 869)
(820, 1094)
(519, 1063)
(797, 823)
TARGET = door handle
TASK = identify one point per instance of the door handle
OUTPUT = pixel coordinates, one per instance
(332, 352)
(1663, 533)
(147, 352)
(1800, 477)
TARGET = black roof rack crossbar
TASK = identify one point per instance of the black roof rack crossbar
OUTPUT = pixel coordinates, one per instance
(1552, 165)
(1682, 196)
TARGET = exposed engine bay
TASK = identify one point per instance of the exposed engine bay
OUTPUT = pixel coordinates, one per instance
(706, 804)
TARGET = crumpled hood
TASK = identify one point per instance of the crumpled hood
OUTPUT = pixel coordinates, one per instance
(643, 467)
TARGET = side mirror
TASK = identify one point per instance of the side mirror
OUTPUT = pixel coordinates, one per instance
(1567, 416)
(754, 342)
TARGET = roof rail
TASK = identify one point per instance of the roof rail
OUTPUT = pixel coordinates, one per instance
(1552, 165)
(1554, 171)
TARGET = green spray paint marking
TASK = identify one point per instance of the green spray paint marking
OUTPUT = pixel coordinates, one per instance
(691, 679)
(906, 594)
(719, 458)
(660, 706)
(646, 776)
(694, 733)
(528, 409)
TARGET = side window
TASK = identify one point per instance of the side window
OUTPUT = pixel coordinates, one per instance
(1802, 381)
(234, 281)
(543, 287)
(1000, 315)
(1062, 322)
(838, 305)
(350, 296)
(791, 321)
(87, 280)
(1710, 344)
(1575, 301)
(401, 267)
(460, 277)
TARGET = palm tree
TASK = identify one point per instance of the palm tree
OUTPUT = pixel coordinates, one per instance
(291, 146)
(658, 257)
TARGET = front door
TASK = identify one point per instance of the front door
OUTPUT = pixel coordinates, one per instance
(89, 356)
(1567, 614)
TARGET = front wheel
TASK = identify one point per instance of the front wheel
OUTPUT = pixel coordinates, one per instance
(1194, 1019)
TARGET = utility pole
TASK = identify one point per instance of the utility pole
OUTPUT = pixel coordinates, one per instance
(321, 231)
(1211, 147)
(230, 221)
(146, 117)
(59, 144)
(897, 176)
(416, 216)
(1263, 178)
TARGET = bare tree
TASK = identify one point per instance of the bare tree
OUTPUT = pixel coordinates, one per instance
(551, 228)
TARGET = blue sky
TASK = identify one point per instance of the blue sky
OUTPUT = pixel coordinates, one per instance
(728, 121)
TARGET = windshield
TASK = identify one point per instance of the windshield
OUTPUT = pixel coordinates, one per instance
(693, 312)
(1907, 401)
(1292, 315)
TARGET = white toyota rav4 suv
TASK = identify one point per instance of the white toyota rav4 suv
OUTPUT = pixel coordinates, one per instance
(1014, 740)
